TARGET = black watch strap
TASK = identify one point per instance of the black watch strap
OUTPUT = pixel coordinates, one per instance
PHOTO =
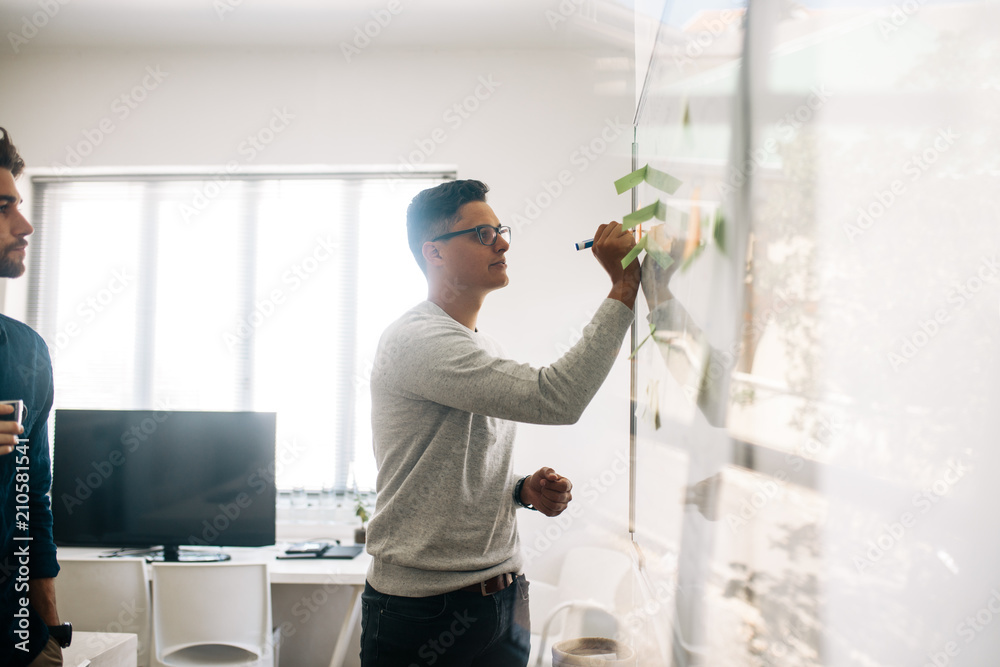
(517, 493)
(63, 634)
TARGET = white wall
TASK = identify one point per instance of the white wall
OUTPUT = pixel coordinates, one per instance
(372, 111)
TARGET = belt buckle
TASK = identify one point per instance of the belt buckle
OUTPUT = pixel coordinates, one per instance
(508, 579)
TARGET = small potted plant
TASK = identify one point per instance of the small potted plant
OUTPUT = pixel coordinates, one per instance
(362, 512)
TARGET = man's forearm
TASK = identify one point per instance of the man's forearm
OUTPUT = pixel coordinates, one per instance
(624, 293)
(42, 595)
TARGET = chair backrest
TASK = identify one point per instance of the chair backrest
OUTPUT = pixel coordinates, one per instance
(210, 606)
(106, 595)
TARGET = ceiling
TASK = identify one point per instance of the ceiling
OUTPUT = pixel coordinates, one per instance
(317, 24)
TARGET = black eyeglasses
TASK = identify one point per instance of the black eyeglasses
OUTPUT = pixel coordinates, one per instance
(487, 234)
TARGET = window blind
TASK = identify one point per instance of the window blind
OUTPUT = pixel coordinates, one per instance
(201, 292)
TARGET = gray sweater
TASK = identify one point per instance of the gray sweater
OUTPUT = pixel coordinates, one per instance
(444, 407)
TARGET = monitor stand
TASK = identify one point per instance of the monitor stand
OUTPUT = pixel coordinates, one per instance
(171, 553)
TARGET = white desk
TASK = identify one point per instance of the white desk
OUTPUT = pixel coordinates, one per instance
(317, 572)
(101, 649)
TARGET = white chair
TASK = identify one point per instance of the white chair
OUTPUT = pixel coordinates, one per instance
(106, 596)
(582, 604)
(211, 614)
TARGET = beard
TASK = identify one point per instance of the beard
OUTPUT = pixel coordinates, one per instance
(9, 266)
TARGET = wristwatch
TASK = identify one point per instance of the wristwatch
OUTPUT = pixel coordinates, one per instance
(62, 634)
(517, 493)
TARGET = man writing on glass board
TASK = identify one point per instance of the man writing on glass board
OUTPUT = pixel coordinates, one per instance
(28, 555)
(445, 585)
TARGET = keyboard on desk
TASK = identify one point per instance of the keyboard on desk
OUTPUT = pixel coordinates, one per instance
(322, 550)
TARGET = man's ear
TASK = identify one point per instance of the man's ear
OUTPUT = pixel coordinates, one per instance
(432, 256)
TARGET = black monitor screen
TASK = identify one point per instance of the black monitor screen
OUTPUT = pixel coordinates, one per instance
(137, 478)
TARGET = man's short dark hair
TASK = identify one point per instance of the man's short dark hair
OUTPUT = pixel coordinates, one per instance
(434, 210)
(9, 159)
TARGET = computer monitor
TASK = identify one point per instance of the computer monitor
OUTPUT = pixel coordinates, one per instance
(145, 478)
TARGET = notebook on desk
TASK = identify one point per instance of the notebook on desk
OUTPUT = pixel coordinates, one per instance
(324, 551)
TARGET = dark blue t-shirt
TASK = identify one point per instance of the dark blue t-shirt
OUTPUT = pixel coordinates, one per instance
(25, 475)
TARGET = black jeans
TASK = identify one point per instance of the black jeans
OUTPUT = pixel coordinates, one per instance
(455, 629)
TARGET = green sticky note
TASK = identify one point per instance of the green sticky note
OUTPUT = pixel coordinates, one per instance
(662, 180)
(661, 210)
(719, 232)
(658, 179)
(652, 330)
(657, 208)
(640, 216)
(661, 256)
(628, 182)
(634, 252)
(663, 259)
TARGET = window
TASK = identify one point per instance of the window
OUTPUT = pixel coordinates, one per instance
(217, 292)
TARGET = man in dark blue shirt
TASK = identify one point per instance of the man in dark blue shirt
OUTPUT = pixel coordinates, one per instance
(27, 553)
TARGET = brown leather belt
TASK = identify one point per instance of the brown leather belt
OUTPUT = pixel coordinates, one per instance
(492, 585)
